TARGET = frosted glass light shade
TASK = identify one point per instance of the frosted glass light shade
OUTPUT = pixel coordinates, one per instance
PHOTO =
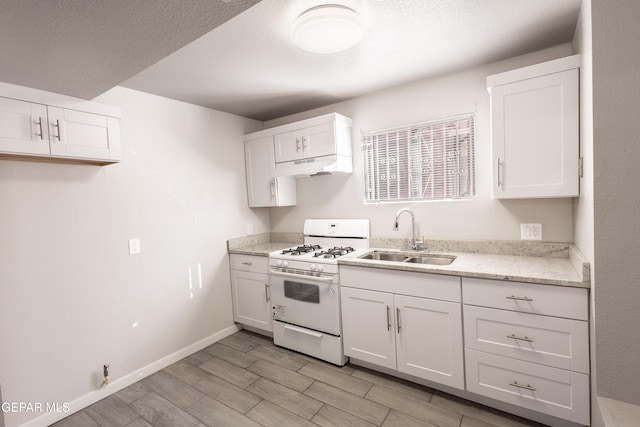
(327, 29)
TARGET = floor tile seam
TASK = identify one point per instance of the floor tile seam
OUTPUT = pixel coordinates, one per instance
(267, 360)
(244, 389)
(88, 413)
(159, 392)
(228, 346)
(188, 410)
(280, 406)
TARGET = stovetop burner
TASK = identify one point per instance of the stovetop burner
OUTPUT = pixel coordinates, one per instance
(303, 249)
(334, 252)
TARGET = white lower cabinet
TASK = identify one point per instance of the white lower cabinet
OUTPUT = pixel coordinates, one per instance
(556, 392)
(250, 291)
(404, 329)
(528, 345)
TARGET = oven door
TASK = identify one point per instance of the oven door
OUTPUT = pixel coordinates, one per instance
(309, 301)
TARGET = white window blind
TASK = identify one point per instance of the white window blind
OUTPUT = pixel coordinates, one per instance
(426, 161)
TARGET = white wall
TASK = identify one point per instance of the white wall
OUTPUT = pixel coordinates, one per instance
(616, 108)
(583, 224)
(480, 218)
(70, 291)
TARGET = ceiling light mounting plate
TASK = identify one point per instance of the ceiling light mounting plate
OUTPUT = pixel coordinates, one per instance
(328, 28)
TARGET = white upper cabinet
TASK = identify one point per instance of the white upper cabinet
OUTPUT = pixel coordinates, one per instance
(264, 188)
(312, 146)
(535, 130)
(314, 141)
(76, 134)
(36, 123)
(23, 127)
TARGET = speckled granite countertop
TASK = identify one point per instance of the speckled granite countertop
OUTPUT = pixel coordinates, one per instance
(559, 264)
(530, 269)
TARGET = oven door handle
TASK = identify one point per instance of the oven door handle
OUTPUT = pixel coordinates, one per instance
(303, 331)
(327, 279)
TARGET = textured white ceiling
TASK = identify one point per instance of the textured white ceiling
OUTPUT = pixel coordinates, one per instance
(85, 47)
(234, 56)
(248, 66)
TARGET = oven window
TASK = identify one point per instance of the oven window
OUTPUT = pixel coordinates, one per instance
(302, 291)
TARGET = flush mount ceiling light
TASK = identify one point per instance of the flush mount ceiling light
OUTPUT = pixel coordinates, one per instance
(327, 28)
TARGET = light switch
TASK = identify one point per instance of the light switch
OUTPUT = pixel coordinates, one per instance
(249, 229)
(531, 231)
(134, 246)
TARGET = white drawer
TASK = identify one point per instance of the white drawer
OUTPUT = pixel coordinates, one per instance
(256, 264)
(317, 344)
(556, 392)
(551, 341)
(560, 301)
(425, 285)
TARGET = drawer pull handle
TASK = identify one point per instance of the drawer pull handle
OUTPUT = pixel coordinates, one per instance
(388, 318)
(526, 387)
(527, 339)
(246, 263)
(519, 298)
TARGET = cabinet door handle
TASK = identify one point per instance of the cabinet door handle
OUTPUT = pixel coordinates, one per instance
(41, 134)
(526, 387)
(388, 318)
(513, 336)
(297, 144)
(267, 297)
(58, 126)
(513, 297)
(304, 143)
(273, 188)
(398, 319)
(498, 169)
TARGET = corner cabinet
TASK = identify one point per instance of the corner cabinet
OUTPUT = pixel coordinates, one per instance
(409, 322)
(264, 188)
(250, 291)
(35, 123)
(535, 130)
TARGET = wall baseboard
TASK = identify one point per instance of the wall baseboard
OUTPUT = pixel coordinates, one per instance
(123, 382)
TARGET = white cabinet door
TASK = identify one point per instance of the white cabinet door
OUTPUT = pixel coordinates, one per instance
(535, 136)
(312, 141)
(251, 299)
(429, 341)
(288, 146)
(263, 187)
(23, 127)
(318, 141)
(367, 326)
(76, 134)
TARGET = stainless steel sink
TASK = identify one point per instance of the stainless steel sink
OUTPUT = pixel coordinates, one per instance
(432, 259)
(385, 256)
(429, 259)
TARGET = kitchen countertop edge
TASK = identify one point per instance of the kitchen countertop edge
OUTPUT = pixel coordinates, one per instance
(527, 269)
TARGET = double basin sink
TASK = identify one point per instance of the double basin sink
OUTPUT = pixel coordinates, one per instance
(409, 257)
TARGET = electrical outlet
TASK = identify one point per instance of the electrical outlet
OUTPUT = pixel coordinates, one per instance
(134, 246)
(531, 231)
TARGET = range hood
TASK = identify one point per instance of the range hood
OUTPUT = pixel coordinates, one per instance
(324, 165)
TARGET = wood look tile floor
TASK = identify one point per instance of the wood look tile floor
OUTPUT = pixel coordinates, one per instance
(245, 380)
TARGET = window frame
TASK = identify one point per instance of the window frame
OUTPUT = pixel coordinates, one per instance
(410, 162)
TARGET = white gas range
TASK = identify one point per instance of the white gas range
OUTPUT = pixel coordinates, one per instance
(305, 291)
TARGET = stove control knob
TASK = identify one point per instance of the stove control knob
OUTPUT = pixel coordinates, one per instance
(285, 264)
(279, 263)
(319, 268)
(312, 267)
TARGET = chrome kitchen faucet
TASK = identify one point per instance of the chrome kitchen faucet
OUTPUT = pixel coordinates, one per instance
(414, 242)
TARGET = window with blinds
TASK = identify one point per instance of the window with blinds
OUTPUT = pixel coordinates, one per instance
(426, 161)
